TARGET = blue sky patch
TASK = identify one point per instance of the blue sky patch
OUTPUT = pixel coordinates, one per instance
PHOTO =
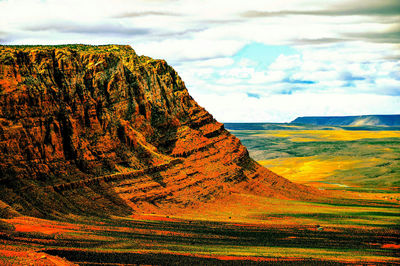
(253, 95)
(263, 55)
(298, 81)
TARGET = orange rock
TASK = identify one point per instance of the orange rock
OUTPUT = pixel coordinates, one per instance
(81, 122)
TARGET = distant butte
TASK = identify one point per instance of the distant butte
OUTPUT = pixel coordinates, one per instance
(100, 130)
(359, 120)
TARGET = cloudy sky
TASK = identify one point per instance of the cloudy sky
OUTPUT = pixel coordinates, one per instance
(244, 61)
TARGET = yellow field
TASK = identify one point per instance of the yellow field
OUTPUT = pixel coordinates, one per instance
(313, 168)
(331, 135)
(339, 156)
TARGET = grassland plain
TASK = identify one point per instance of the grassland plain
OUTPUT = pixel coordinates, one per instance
(365, 157)
(282, 233)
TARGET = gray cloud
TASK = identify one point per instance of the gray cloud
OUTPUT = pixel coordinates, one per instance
(367, 8)
(390, 36)
(319, 41)
(112, 29)
(383, 11)
(392, 58)
(180, 33)
(6, 38)
(103, 29)
(146, 13)
(220, 21)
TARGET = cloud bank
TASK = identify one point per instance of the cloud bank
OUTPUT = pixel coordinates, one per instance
(242, 60)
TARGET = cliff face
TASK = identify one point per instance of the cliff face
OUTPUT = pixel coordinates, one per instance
(99, 129)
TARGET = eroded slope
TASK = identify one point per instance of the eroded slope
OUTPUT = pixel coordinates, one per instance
(101, 130)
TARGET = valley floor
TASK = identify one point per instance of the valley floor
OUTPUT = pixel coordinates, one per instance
(357, 223)
(248, 230)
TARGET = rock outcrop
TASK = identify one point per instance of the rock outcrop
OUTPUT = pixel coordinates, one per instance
(101, 130)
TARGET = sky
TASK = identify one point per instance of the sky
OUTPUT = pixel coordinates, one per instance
(244, 61)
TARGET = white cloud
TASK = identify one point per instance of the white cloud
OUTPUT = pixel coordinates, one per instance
(189, 49)
(285, 108)
(284, 62)
(217, 62)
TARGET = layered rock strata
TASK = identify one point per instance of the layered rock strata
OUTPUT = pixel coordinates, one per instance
(101, 130)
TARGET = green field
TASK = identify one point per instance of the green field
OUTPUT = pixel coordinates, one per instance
(354, 157)
(346, 238)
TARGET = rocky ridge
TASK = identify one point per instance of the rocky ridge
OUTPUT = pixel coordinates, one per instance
(101, 130)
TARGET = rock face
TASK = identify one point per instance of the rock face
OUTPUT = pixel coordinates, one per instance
(101, 130)
(361, 120)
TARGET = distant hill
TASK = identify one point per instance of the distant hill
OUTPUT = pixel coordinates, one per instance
(361, 120)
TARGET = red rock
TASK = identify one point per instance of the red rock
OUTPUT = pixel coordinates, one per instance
(81, 122)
